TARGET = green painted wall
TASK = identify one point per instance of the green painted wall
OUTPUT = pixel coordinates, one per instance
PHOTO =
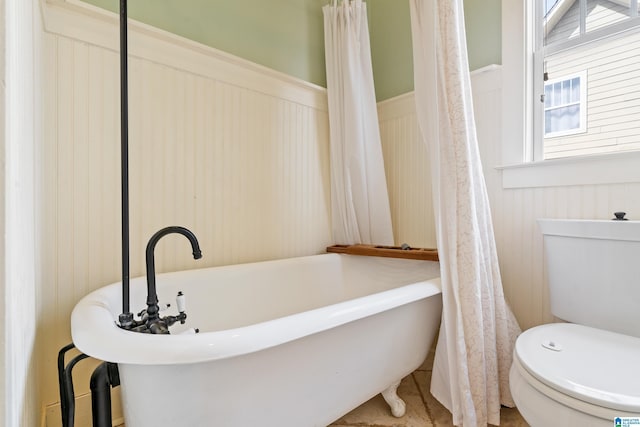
(287, 35)
(483, 23)
(390, 32)
(391, 49)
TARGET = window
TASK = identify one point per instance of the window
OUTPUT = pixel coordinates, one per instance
(564, 106)
(586, 77)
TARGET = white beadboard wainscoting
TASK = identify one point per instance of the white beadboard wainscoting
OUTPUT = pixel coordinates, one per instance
(231, 150)
(514, 210)
(406, 164)
(237, 153)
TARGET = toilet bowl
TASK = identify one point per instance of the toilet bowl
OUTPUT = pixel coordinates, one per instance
(574, 375)
(585, 373)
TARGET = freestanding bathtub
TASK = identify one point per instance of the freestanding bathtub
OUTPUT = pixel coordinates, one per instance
(294, 342)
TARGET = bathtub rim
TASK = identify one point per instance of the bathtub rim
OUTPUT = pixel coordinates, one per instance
(95, 333)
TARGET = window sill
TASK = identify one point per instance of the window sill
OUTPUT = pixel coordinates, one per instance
(614, 168)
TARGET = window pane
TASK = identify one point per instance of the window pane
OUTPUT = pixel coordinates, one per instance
(547, 96)
(557, 94)
(610, 82)
(562, 119)
(601, 13)
(575, 89)
(596, 109)
(549, 4)
(562, 22)
(566, 92)
(562, 18)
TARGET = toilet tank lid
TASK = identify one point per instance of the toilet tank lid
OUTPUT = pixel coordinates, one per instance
(591, 228)
(593, 365)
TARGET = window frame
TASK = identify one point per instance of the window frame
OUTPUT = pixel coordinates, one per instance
(535, 25)
(582, 105)
(521, 165)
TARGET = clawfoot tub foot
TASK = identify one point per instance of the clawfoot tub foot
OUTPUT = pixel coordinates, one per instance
(397, 405)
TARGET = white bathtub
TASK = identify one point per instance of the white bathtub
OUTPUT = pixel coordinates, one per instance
(295, 342)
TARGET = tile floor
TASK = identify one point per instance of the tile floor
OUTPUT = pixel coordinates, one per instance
(422, 409)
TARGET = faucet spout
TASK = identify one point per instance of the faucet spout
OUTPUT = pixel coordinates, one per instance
(152, 296)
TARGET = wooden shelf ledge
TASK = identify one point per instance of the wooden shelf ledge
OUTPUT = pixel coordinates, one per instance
(386, 251)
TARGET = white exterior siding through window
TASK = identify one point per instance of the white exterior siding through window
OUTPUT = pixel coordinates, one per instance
(598, 40)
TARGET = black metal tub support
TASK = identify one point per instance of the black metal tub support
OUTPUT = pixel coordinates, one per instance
(104, 377)
(67, 396)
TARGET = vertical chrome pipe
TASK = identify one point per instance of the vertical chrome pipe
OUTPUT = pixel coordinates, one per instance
(126, 317)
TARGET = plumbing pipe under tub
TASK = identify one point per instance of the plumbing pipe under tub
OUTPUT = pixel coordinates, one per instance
(103, 378)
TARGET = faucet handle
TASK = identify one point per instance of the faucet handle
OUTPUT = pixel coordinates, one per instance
(181, 302)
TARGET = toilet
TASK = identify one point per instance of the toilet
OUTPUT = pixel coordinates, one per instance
(585, 372)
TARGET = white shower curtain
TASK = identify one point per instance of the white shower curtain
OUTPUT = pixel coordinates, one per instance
(474, 351)
(359, 199)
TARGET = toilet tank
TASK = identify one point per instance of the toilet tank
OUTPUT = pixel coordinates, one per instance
(593, 269)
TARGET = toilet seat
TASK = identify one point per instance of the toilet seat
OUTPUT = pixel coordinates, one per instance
(590, 370)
